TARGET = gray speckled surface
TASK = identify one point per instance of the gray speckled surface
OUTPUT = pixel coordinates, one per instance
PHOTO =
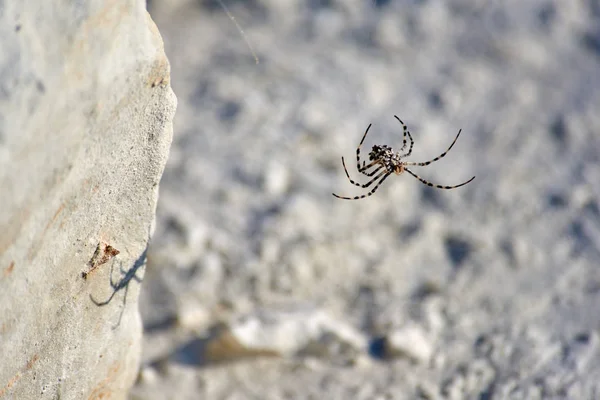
(507, 266)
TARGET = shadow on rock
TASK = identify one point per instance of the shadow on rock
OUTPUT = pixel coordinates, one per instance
(123, 284)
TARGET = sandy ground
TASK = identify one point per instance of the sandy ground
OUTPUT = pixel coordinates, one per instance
(500, 278)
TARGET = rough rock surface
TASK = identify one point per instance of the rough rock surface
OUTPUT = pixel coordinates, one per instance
(496, 284)
(85, 129)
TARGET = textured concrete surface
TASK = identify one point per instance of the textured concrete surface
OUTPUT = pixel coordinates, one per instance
(496, 284)
(85, 129)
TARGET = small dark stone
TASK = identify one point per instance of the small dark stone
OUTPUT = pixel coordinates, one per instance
(547, 14)
(558, 130)
(582, 338)
(591, 42)
(381, 3)
(40, 86)
(435, 100)
(377, 347)
(458, 250)
(229, 110)
(557, 200)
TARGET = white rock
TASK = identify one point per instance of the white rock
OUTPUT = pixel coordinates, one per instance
(295, 331)
(276, 178)
(85, 130)
(410, 341)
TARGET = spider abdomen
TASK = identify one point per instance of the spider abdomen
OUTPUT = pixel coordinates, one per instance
(380, 152)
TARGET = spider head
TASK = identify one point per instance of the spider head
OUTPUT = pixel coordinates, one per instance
(378, 152)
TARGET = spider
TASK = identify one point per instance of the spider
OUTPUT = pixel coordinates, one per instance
(384, 159)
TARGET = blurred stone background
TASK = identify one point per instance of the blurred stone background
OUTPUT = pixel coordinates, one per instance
(260, 284)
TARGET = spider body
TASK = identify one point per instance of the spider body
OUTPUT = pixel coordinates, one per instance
(385, 156)
(384, 161)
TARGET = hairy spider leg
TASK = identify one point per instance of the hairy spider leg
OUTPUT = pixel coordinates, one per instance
(406, 131)
(438, 157)
(366, 167)
(435, 185)
(358, 151)
(358, 184)
(374, 163)
(385, 175)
